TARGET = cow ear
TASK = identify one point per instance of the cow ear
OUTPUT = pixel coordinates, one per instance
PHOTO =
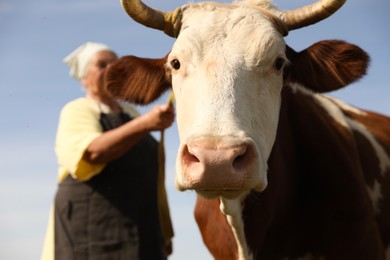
(138, 80)
(326, 65)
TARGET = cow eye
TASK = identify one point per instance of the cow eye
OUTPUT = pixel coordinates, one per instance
(279, 62)
(175, 64)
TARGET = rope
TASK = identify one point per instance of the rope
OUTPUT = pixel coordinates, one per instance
(165, 218)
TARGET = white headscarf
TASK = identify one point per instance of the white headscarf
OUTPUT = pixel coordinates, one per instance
(78, 60)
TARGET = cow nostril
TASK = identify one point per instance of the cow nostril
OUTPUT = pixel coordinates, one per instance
(188, 157)
(213, 165)
(242, 160)
(238, 160)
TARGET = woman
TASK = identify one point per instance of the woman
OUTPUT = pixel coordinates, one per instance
(106, 203)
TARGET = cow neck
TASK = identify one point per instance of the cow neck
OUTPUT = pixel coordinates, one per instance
(305, 133)
(275, 205)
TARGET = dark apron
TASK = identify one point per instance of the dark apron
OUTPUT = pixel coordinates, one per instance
(115, 214)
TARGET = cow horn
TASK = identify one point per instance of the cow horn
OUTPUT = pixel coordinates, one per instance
(311, 14)
(153, 18)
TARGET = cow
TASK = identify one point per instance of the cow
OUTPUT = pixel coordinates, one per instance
(282, 170)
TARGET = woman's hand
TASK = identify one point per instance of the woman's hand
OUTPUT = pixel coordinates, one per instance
(160, 117)
(115, 142)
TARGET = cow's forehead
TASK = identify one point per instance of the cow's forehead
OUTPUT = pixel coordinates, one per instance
(241, 30)
(212, 20)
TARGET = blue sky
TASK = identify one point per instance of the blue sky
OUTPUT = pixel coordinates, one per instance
(37, 35)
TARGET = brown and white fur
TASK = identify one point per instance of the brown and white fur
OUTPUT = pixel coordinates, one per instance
(283, 171)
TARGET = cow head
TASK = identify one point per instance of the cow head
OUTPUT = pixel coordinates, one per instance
(227, 69)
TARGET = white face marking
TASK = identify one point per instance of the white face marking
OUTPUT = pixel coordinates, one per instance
(227, 93)
(228, 97)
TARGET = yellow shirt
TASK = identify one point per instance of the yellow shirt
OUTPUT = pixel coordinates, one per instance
(78, 126)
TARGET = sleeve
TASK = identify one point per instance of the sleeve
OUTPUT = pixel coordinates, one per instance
(77, 128)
